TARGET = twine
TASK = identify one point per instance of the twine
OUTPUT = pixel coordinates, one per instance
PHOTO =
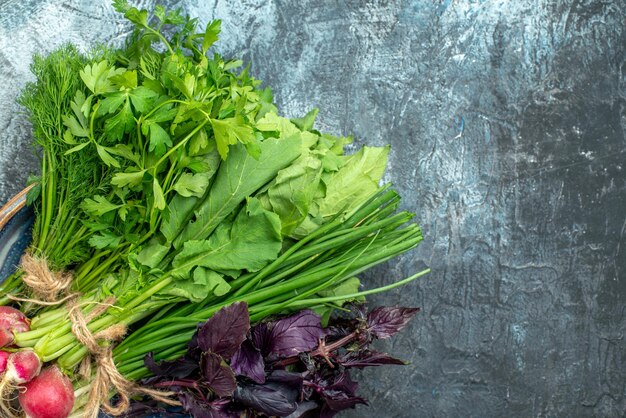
(45, 284)
(48, 285)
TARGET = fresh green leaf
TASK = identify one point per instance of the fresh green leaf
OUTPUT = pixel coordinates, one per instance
(211, 34)
(121, 123)
(306, 123)
(159, 199)
(78, 105)
(68, 138)
(206, 164)
(159, 140)
(111, 103)
(159, 12)
(96, 77)
(128, 179)
(252, 241)
(194, 291)
(165, 113)
(173, 17)
(105, 239)
(229, 131)
(238, 177)
(103, 152)
(126, 79)
(142, 98)
(293, 191)
(357, 179)
(138, 17)
(122, 212)
(98, 206)
(198, 143)
(232, 64)
(177, 215)
(271, 122)
(76, 148)
(75, 127)
(35, 191)
(347, 287)
(212, 280)
(125, 151)
(152, 254)
(253, 149)
(191, 184)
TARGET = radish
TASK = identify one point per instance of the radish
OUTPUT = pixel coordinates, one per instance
(49, 395)
(4, 358)
(22, 366)
(11, 321)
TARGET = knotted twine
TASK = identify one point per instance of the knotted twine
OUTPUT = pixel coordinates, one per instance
(47, 285)
(44, 284)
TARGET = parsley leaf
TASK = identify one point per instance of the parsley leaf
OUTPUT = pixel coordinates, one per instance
(191, 184)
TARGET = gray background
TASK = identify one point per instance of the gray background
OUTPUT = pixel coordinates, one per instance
(507, 121)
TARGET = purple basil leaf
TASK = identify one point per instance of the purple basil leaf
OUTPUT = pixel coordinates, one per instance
(341, 394)
(291, 379)
(224, 332)
(179, 369)
(384, 322)
(193, 350)
(368, 358)
(268, 400)
(200, 408)
(261, 336)
(248, 361)
(295, 334)
(327, 412)
(303, 407)
(338, 331)
(218, 376)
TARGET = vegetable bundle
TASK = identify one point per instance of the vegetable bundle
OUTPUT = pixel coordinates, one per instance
(171, 189)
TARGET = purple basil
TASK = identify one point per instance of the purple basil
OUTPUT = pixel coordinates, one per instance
(302, 409)
(341, 394)
(272, 400)
(367, 358)
(290, 379)
(261, 336)
(224, 332)
(218, 376)
(200, 408)
(294, 375)
(384, 322)
(248, 361)
(296, 334)
(178, 369)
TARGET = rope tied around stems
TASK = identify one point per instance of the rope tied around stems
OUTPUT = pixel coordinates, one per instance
(107, 376)
(47, 285)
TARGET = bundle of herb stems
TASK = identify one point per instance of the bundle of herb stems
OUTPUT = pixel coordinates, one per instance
(171, 184)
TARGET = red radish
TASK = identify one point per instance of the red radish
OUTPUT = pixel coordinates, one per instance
(49, 395)
(22, 366)
(4, 357)
(11, 321)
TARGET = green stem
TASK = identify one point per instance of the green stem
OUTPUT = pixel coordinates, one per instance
(305, 303)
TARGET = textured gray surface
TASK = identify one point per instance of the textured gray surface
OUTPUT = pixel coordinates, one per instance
(507, 120)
